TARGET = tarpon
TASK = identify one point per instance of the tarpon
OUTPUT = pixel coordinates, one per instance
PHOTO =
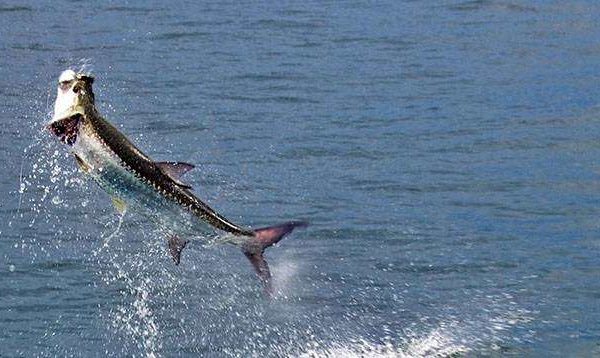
(154, 189)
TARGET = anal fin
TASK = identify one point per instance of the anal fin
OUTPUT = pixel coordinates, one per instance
(176, 245)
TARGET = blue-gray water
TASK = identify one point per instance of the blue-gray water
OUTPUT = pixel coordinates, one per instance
(445, 153)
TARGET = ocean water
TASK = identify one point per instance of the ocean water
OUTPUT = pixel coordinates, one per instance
(444, 152)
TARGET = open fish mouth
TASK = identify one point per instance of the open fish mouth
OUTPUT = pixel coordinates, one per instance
(66, 129)
(74, 98)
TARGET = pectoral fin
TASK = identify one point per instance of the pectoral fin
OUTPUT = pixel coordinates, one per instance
(119, 204)
(176, 245)
(82, 164)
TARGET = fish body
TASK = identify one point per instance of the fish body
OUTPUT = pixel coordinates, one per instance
(129, 176)
(154, 189)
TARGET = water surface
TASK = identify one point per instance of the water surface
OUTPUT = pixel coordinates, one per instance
(445, 153)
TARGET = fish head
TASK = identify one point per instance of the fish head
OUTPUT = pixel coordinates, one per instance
(74, 98)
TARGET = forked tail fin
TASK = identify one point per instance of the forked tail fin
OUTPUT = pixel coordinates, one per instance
(263, 238)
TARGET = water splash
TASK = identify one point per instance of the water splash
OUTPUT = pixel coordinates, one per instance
(85, 65)
(485, 330)
(150, 311)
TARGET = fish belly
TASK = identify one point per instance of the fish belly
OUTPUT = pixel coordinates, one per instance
(106, 169)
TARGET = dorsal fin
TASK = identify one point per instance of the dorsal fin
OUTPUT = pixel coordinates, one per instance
(175, 170)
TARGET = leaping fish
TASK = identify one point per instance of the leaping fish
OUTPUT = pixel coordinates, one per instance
(154, 189)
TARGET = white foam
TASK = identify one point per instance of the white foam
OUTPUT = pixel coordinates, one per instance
(480, 331)
(436, 343)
